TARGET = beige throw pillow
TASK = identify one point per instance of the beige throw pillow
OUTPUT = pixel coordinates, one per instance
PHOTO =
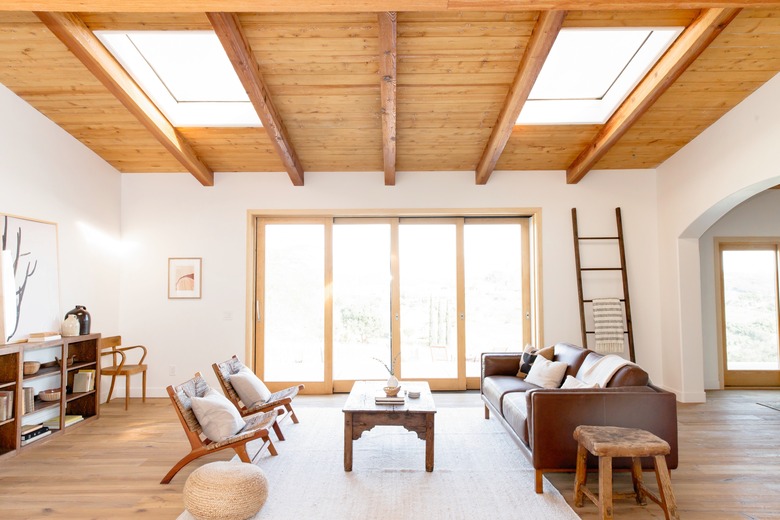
(546, 373)
(249, 387)
(217, 416)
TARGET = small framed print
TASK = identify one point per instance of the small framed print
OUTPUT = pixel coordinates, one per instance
(184, 277)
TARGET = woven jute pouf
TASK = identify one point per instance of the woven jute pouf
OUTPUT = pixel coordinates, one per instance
(225, 491)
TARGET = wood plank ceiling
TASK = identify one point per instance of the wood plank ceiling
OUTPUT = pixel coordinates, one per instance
(386, 86)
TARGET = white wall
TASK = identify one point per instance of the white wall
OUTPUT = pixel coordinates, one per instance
(172, 215)
(728, 163)
(758, 216)
(46, 174)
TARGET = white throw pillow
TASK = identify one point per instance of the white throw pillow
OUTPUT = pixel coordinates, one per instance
(217, 416)
(573, 382)
(546, 373)
(249, 387)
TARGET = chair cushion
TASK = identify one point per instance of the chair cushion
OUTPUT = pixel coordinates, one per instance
(217, 416)
(249, 387)
(547, 374)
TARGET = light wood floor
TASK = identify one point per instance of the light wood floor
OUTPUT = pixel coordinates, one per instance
(110, 468)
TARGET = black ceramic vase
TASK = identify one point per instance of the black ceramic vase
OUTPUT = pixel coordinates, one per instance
(83, 316)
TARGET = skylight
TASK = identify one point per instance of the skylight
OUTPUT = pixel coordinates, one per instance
(589, 72)
(186, 74)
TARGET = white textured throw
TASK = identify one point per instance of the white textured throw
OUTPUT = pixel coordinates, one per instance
(608, 318)
(602, 370)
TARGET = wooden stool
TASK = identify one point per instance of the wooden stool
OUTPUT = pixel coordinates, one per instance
(607, 442)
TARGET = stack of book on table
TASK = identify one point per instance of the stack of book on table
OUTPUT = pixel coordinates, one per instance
(382, 398)
(34, 432)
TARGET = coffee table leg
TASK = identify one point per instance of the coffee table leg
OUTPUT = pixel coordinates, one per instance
(347, 441)
(429, 442)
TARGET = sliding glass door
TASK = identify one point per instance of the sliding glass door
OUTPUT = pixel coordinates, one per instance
(749, 313)
(338, 299)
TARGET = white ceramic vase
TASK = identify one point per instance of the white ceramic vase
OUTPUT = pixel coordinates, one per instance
(392, 381)
(71, 326)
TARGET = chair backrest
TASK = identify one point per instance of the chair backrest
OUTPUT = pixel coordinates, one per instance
(223, 371)
(110, 344)
(181, 397)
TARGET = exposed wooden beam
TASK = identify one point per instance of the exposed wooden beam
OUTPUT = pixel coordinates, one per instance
(684, 51)
(358, 6)
(387, 74)
(231, 34)
(83, 43)
(545, 31)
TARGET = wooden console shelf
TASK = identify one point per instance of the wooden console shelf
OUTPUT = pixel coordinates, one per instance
(52, 374)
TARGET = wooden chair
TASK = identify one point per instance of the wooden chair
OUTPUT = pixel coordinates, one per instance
(281, 399)
(111, 346)
(256, 427)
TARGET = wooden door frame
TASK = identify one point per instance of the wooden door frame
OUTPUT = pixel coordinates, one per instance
(742, 378)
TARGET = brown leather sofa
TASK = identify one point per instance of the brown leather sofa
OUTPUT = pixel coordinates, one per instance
(542, 420)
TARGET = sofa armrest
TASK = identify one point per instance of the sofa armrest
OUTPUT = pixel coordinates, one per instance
(500, 363)
(553, 414)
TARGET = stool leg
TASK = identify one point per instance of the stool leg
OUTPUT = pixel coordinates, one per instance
(581, 475)
(665, 488)
(605, 487)
(636, 478)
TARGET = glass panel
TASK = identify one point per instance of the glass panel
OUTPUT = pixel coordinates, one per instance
(294, 301)
(361, 300)
(750, 309)
(429, 338)
(494, 291)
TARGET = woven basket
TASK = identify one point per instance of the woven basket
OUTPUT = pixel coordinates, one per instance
(52, 394)
(31, 367)
(392, 391)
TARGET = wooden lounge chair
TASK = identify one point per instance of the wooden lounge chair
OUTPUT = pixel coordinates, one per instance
(256, 427)
(281, 399)
(111, 346)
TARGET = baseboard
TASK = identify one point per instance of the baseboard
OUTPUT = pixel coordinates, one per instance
(686, 397)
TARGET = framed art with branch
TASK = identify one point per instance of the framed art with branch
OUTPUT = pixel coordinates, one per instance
(29, 278)
(184, 278)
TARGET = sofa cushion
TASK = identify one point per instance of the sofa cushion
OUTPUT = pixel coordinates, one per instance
(573, 382)
(515, 412)
(547, 374)
(529, 356)
(572, 355)
(495, 387)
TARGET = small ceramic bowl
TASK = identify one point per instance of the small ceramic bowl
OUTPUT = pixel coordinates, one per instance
(413, 394)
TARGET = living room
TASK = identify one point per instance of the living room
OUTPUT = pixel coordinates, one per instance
(116, 232)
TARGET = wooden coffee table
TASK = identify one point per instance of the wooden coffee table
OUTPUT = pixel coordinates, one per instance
(361, 414)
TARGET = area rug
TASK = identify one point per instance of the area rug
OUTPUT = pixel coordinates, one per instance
(774, 405)
(478, 473)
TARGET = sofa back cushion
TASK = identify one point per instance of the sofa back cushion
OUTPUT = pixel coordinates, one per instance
(572, 355)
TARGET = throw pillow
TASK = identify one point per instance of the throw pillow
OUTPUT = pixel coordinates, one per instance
(249, 387)
(217, 416)
(529, 356)
(573, 382)
(546, 373)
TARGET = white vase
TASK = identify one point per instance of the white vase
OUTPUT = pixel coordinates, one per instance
(71, 326)
(392, 381)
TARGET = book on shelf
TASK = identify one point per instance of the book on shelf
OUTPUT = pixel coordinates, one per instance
(6, 405)
(37, 437)
(91, 373)
(34, 430)
(28, 403)
(54, 422)
(82, 382)
(37, 337)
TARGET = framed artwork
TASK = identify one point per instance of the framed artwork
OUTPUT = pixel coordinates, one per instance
(184, 277)
(29, 278)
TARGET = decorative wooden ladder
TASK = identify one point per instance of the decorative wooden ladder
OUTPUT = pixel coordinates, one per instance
(625, 299)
